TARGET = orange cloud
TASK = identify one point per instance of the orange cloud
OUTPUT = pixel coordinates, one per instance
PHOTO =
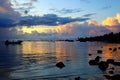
(118, 17)
(93, 22)
(38, 29)
(110, 22)
(2, 10)
(75, 29)
(67, 28)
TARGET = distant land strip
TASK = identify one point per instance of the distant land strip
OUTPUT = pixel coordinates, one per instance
(111, 37)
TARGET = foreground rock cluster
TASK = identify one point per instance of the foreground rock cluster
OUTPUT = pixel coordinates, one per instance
(104, 65)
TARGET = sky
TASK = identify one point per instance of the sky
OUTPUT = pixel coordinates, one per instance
(57, 19)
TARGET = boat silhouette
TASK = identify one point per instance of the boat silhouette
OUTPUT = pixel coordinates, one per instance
(7, 42)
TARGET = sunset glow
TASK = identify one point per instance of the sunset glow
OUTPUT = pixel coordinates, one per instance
(43, 18)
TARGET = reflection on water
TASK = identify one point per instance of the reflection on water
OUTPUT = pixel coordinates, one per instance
(38, 47)
(36, 60)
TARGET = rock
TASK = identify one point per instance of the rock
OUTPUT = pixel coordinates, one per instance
(110, 48)
(118, 47)
(116, 63)
(116, 77)
(60, 65)
(103, 65)
(110, 61)
(95, 62)
(108, 77)
(111, 72)
(115, 49)
(77, 78)
(97, 58)
(99, 51)
(89, 54)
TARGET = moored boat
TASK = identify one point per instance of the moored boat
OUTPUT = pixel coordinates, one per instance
(13, 42)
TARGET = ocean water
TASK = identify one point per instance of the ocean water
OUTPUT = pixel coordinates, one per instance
(36, 60)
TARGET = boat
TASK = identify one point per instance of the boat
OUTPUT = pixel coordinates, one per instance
(13, 42)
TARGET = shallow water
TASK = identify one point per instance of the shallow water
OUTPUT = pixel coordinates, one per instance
(36, 60)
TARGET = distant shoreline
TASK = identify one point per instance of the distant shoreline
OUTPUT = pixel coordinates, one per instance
(111, 37)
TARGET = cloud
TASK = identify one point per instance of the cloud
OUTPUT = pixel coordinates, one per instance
(89, 15)
(74, 30)
(3, 10)
(110, 22)
(48, 19)
(10, 15)
(23, 7)
(93, 22)
(118, 17)
(5, 6)
(71, 30)
(11, 10)
(66, 11)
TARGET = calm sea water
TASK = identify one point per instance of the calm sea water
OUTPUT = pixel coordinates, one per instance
(36, 60)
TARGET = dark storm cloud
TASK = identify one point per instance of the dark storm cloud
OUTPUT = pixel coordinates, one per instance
(66, 11)
(89, 15)
(48, 19)
(10, 16)
(2, 2)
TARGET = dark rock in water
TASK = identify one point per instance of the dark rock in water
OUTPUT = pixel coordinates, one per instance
(108, 77)
(116, 63)
(89, 54)
(116, 77)
(95, 62)
(99, 51)
(111, 72)
(115, 49)
(110, 48)
(77, 78)
(110, 61)
(60, 65)
(118, 47)
(97, 58)
(103, 65)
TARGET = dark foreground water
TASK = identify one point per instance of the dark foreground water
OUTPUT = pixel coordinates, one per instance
(36, 60)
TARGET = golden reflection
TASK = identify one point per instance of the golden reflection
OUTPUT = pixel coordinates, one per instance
(110, 54)
(64, 51)
(37, 47)
(107, 52)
